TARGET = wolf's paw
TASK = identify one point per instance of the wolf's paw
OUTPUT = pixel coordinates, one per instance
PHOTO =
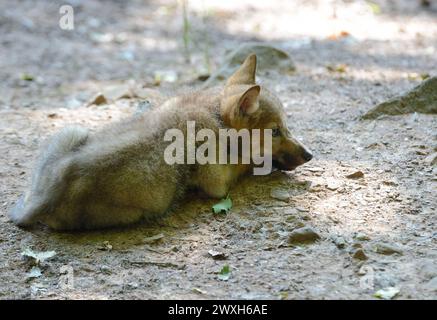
(16, 213)
(20, 215)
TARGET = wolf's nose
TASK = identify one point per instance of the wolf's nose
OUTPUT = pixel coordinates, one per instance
(307, 156)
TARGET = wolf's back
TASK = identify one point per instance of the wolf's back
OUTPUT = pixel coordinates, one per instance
(47, 182)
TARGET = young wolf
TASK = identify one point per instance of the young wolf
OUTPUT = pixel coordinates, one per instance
(118, 175)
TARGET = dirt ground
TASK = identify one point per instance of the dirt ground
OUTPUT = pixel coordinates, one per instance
(349, 56)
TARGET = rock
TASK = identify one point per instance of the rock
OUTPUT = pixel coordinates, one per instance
(432, 284)
(303, 235)
(306, 217)
(340, 242)
(314, 187)
(105, 269)
(299, 224)
(383, 248)
(431, 159)
(116, 92)
(97, 100)
(362, 237)
(428, 269)
(333, 185)
(359, 255)
(355, 175)
(268, 58)
(280, 194)
(217, 255)
(106, 246)
(421, 99)
(365, 269)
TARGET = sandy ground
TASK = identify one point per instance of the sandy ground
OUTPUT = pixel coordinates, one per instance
(381, 52)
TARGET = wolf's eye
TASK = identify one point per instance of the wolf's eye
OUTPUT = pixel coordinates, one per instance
(276, 132)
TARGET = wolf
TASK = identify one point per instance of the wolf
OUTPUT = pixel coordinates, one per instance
(118, 176)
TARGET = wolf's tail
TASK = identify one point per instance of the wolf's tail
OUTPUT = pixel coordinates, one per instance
(47, 180)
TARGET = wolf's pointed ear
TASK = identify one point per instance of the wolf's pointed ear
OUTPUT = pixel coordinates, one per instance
(237, 106)
(248, 102)
(245, 74)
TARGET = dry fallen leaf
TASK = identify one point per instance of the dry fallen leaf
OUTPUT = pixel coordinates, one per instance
(38, 257)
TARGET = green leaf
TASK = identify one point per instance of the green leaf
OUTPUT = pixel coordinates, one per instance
(376, 9)
(223, 206)
(27, 77)
(387, 293)
(224, 273)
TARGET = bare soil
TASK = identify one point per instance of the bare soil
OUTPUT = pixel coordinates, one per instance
(348, 58)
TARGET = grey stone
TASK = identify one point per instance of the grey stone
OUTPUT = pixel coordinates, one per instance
(268, 58)
(387, 249)
(303, 235)
(280, 194)
(421, 99)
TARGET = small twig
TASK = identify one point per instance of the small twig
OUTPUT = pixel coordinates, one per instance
(158, 264)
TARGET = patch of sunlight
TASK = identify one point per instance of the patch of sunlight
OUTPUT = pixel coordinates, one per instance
(355, 205)
(279, 20)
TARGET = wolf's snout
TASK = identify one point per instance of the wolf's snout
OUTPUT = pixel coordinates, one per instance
(306, 155)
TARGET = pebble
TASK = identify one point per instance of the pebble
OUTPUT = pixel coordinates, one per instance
(387, 249)
(280, 194)
(340, 242)
(303, 235)
(333, 185)
(428, 269)
(431, 159)
(357, 245)
(217, 255)
(105, 269)
(362, 237)
(97, 100)
(359, 255)
(355, 175)
(106, 246)
(432, 284)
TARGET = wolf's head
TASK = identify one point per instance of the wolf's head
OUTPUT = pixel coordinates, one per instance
(247, 105)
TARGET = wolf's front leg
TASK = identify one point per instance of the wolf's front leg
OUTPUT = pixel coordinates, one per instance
(216, 179)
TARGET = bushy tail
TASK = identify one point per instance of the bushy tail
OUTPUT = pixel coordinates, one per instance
(46, 180)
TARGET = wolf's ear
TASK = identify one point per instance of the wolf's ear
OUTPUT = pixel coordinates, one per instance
(245, 74)
(236, 106)
(248, 102)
